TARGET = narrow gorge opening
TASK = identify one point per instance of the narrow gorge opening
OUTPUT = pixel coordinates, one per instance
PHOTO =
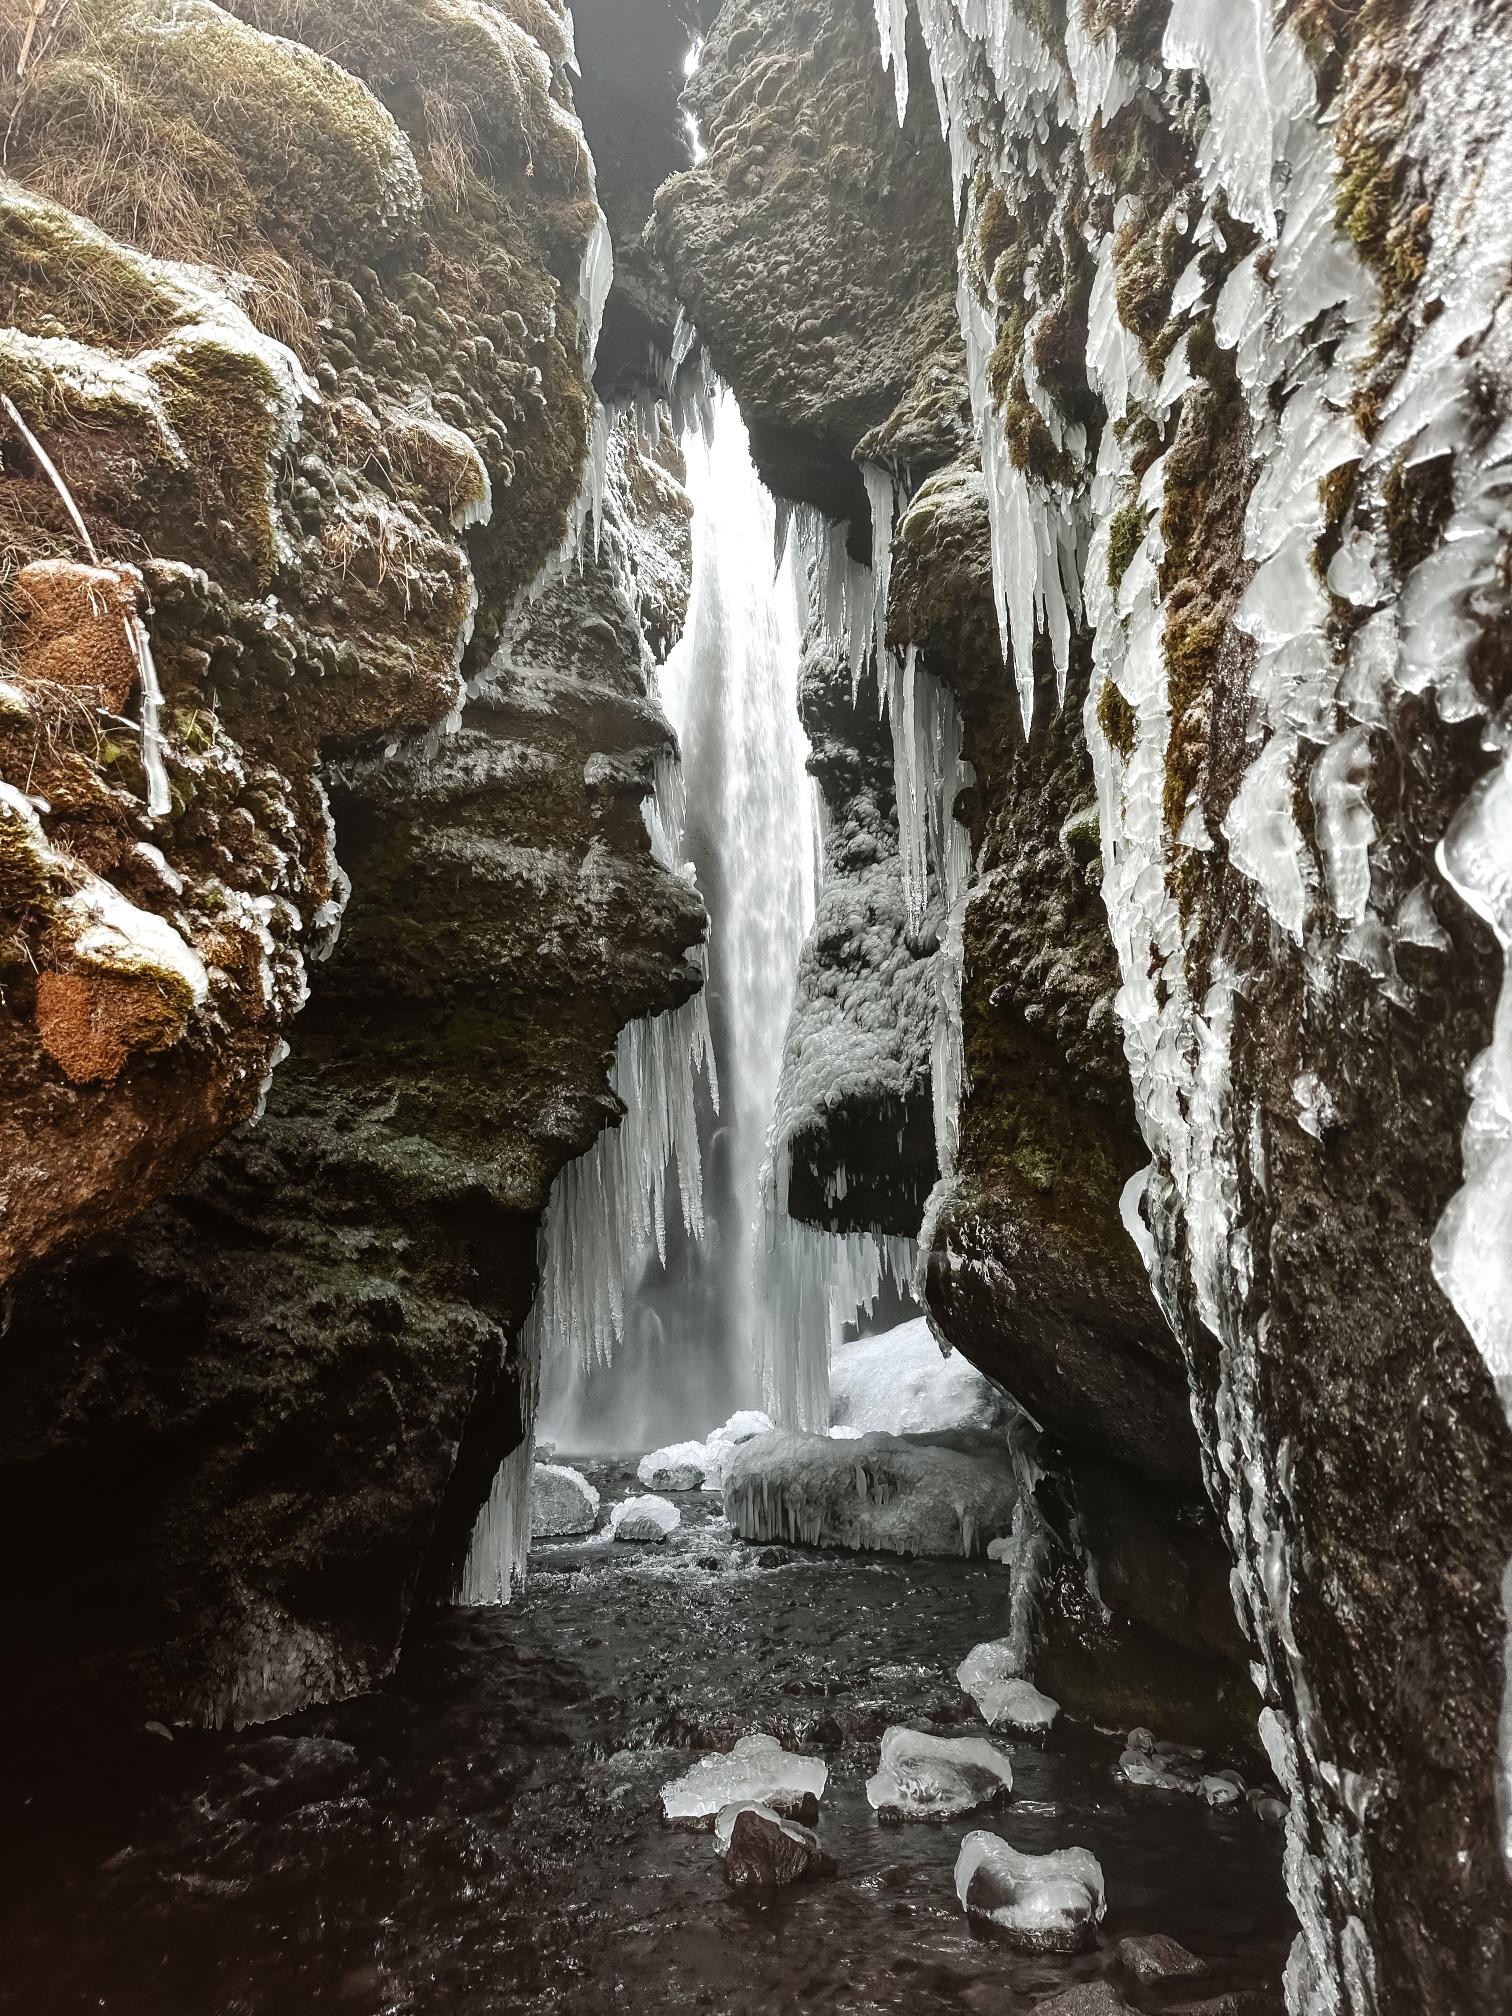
(754, 862)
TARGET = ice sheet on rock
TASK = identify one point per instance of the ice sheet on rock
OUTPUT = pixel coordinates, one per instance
(562, 1501)
(1041, 1903)
(1005, 1699)
(902, 1383)
(757, 1772)
(761, 1850)
(924, 1777)
(682, 1466)
(644, 1519)
(931, 1495)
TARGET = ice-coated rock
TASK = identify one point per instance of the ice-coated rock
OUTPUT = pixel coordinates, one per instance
(561, 1501)
(1004, 1698)
(761, 1850)
(937, 1777)
(1176, 1767)
(757, 1772)
(938, 1494)
(679, 1467)
(901, 1383)
(741, 1427)
(1041, 1903)
(653, 1519)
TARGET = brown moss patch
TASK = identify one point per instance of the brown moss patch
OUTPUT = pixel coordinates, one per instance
(91, 1023)
(74, 629)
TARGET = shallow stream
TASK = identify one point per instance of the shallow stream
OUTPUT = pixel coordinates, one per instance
(484, 1837)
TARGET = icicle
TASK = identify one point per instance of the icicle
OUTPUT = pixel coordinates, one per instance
(892, 32)
(593, 289)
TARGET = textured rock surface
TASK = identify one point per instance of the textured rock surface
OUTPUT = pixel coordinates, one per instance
(319, 457)
(805, 161)
(294, 1382)
(856, 1091)
(250, 1430)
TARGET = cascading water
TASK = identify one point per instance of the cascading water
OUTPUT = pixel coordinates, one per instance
(687, 1313)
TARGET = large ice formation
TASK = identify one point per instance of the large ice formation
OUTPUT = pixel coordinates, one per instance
(1041, 1903)
(757, 1772)
(943, 1494)
(903, 1383)
(923, 1777)
(647, 1518)
(562, 1501)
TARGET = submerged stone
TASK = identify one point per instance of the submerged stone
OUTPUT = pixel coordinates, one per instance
(1157, 1958)
(761, 1850)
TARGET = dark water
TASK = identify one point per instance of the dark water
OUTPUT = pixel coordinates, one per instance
(485, 1836)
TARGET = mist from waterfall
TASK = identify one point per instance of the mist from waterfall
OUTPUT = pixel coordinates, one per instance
(751, 835)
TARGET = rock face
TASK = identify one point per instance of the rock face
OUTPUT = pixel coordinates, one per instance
(248, 1432)
(807, 170)
(1237, 363)
(295, 1380)
(854, 1128)
(251, 468)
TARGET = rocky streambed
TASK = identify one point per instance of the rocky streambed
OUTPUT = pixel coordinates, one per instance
(486, 1834)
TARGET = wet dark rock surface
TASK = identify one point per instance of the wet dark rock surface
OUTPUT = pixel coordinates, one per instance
(484, 1835)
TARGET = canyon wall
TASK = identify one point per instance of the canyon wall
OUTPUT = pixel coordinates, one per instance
(308, 712)
(1206, 537)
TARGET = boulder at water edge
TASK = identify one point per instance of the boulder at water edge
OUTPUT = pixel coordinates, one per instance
(1040, 1903)
(761, 1850)
(649, 1519)
(562, 1501)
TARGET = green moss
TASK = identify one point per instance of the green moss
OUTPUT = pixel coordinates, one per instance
(1036, 1168)
(217, 136)
(1391, 234)
(1116, 719)
(1148, 255)
(25, 881)
(1126, 533)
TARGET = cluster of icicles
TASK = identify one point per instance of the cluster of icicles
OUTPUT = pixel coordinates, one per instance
(1266, 159)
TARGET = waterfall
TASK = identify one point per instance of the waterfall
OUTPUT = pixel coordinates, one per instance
(674, 1348)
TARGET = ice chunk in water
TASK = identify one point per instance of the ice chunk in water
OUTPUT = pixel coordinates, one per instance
(902, 1383)
(757, 1772)
(760, 1849)
(937, 1777)
(561, 1501)
(654, 1519)
(680, 1467)
(934, 1494)
(989, 1674)
(1042, 1903)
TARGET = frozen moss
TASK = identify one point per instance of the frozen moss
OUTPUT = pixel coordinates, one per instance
(1126, 532)
(176, 125)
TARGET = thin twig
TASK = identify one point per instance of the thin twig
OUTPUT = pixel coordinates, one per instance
(50, 470)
